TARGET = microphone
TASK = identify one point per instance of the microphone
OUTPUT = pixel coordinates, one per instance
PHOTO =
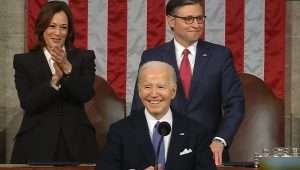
(164, 129)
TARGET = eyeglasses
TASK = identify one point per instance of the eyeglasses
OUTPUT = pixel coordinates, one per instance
(190, 19)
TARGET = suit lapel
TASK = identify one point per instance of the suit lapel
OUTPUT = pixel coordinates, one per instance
(200, 68)
(176, 142)
(41, 64)
(143, 139)
(70, 55)
(172, 58)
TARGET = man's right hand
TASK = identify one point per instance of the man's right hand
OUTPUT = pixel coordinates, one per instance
(152, 167)
(217, 150)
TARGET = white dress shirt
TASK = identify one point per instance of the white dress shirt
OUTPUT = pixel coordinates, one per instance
(50, 63)
(151, 121)
(49, 60)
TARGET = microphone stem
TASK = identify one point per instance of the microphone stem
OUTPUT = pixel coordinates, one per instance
(157, 153)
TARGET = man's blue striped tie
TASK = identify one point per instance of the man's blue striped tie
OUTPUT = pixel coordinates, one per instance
(155, 141)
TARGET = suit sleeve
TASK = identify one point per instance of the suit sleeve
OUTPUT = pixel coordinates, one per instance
(78, 86)
(33, 96)
(233, 100)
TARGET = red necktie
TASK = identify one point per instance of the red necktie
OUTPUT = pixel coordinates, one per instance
(185, 72)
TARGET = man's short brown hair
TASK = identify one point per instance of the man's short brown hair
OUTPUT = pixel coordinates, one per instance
(172, 5)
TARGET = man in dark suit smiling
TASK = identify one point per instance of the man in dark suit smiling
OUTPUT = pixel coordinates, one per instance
(131, 141)
(209, 89)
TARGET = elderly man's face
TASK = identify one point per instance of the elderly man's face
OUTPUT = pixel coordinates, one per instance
(156, 90)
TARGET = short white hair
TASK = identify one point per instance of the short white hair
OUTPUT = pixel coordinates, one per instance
(158, 64)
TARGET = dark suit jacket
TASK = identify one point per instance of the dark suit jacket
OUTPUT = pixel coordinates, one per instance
(129, 146)
(215, 88)
(48, 112)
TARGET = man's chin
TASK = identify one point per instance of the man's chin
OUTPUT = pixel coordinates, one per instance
(194, 36)
(194, 39)
(154, 112)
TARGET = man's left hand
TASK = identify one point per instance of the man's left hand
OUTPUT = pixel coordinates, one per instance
(217, 150)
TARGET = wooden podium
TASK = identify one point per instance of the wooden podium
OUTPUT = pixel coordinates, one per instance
(81, 167)
(29, 167)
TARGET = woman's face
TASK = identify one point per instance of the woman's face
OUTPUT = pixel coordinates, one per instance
(56, 33)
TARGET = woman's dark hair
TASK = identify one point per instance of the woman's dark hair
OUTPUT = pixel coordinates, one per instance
(44, 18)
(172, 5)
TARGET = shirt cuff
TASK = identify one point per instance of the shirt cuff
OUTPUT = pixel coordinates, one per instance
(56, 87)
(221, 140)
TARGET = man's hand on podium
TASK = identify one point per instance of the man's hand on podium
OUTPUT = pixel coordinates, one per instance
(217, 150)
(152, 168)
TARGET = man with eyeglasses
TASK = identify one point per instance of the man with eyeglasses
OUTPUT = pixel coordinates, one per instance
(209, 89)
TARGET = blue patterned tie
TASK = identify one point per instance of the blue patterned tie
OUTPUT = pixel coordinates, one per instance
(155, 141)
